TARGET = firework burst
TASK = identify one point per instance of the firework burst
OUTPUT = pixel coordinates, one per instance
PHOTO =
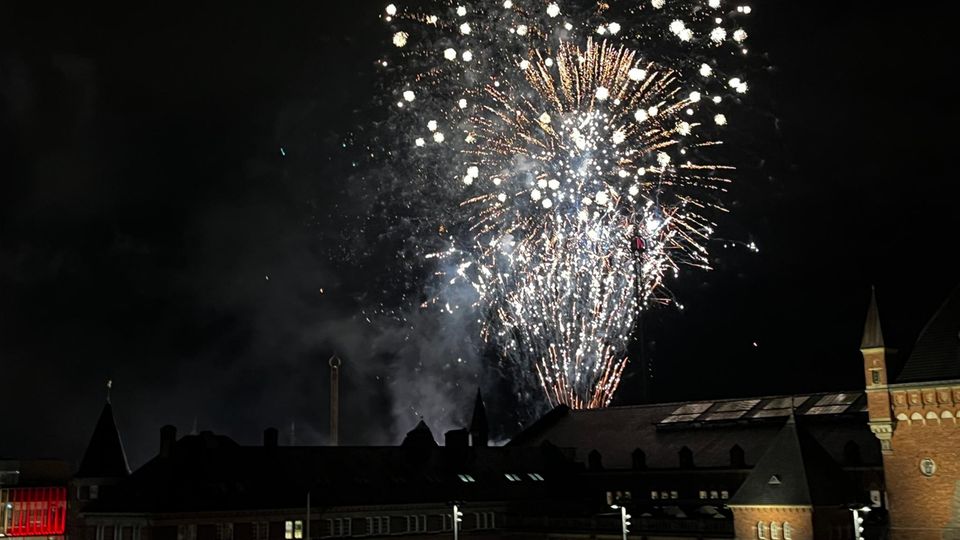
(565, 156)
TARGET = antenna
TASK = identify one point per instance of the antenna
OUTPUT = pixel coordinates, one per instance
(109, 386)
(335, 364)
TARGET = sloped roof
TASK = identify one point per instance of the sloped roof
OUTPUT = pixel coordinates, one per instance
(795, 470)
(708, 428)
(208, 472)
(936, 355)
(104, 457)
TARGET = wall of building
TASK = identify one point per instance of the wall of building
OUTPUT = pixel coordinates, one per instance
(798, 518)
(924, 501)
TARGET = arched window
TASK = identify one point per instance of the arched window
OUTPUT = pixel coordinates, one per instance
(774, 530)
(851, 453)
(761, 530)
(737, 459)
(686, 458)
(787, 531)
(639, 458)
(594, 461)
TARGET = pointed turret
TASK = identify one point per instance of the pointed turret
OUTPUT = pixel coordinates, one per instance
(798, 474)
(875, 373)
(795, 470)
(872, 332)
(419, 437)
(104, 457)
(479, 427)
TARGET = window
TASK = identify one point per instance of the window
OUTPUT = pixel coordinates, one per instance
(340, 527)
(761, 531)
(664, 495)
(447, 522)
(787, 531)
(535, 477)
(703, 494)
(260, 529)
(674, 495)
(185, 532)
(512, 477)
(224, 531)
(653, 495)
(378, 525)
(416, 523)
(484, 520)
(292, 529)
(466, 478)
(724, 494)
(94, 492)
(774, 530)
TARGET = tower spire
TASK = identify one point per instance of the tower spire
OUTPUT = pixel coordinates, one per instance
(872, 332)
(109, 386)
(479, 426)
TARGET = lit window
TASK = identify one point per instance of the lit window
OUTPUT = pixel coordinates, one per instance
(512, 477)
(466, 478)
(787, 531)
(664, 495)
(535, 477)
(761, 531)
(713, 494)
(293, 530)
(724, 494)
(653, 494)
(703, 494)
(674, 495)
(774, 531)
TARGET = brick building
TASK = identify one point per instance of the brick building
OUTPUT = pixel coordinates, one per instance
(914, 415)
(782, 467)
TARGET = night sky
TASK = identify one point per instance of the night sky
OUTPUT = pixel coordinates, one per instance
(172, 218)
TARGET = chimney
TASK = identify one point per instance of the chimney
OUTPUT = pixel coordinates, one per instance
(456, 438)
(334, 400)
(271, 437)
(168, 437)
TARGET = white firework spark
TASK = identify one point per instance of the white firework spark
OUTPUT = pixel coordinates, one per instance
(575, 176)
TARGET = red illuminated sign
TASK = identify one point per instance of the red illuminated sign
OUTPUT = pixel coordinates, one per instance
(40, 511)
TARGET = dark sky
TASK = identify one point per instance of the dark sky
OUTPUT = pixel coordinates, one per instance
(153, 232)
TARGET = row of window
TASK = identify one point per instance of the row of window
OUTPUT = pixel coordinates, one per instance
(334, 527)
(777, 531)
(466, 478)
(712, 494)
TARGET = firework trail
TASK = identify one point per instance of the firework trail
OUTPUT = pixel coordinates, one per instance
(562, 154)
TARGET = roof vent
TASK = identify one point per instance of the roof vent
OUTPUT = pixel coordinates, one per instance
(774, 480)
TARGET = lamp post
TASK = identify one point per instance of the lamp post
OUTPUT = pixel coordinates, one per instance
(624, 519)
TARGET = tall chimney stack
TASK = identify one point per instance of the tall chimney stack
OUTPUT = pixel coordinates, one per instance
(334, 400)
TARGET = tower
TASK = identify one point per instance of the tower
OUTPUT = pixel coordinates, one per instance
(104, 462)
(915, 418)
(875, 372)
(479, 428)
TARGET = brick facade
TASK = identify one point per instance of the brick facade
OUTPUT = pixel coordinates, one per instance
(924, 504)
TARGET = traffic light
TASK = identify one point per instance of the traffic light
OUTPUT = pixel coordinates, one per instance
(858, 522)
